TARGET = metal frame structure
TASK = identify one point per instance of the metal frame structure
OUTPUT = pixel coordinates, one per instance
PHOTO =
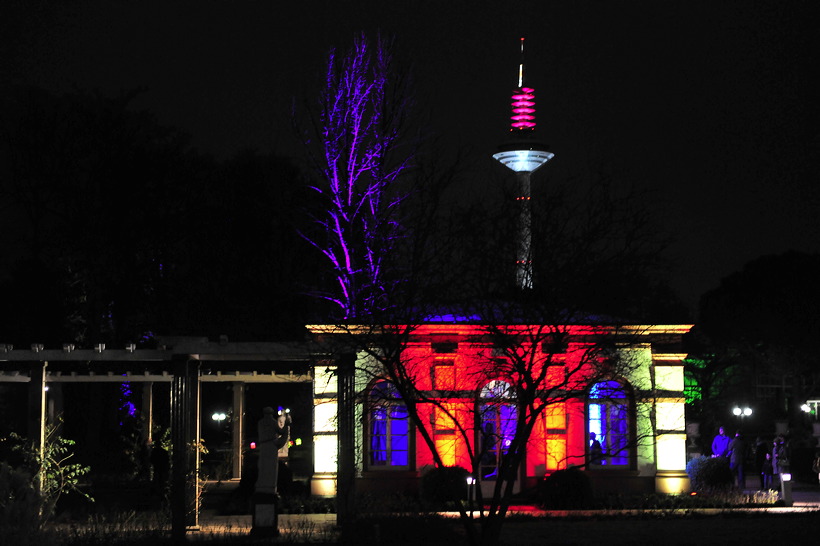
(177, 361)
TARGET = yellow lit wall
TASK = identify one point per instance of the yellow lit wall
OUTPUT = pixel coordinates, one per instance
(325, 454)
(444, 432)
(670, 416)
(324, 416)
(669, 378)
(672, 452)
(556, 419)
(325, 432)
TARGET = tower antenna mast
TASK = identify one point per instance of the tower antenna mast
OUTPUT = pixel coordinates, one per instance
(523, 154)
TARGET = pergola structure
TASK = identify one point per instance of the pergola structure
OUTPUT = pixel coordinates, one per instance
(178, 361)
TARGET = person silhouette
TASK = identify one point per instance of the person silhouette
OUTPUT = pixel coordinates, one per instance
(720, 444)
(596, 452)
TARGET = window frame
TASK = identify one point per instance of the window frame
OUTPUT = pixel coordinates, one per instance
(386, 407)
(620, 408)
(504, 402)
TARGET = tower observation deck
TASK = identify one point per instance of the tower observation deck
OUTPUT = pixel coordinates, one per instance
(523, 154)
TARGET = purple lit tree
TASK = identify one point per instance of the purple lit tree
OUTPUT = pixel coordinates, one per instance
(361, 157)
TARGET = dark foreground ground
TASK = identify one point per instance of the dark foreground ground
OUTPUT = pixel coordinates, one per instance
(774, 526)
(741, 529)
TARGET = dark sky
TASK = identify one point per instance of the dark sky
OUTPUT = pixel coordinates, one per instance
(710, 105)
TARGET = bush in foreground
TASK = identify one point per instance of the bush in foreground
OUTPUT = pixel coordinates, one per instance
(709, 474)
(444, 484)
(568, 489)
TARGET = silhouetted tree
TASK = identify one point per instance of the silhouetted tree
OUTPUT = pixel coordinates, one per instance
(125, 232)
(764, 319)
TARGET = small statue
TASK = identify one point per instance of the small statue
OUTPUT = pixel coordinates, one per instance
(274, 432)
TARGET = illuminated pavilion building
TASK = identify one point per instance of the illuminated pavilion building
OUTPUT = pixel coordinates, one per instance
(638, 416)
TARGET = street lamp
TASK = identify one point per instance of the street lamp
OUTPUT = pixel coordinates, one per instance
(471, 493)
(742, 412)
(786, 488)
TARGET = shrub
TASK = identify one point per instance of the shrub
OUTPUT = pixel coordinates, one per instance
(568, 489)
(444, 484)
(709, 474)
(20, 507)
(58, 476)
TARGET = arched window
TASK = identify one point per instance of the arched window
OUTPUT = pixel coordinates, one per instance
(608, 420)
(498, 416)
(389, 428)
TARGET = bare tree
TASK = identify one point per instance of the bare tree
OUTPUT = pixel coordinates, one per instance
(363, 152)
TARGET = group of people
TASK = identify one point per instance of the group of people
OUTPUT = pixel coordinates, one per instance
(770, 462)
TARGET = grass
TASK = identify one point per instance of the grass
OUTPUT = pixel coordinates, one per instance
(519, 531)
(668, 528)
(658, 519)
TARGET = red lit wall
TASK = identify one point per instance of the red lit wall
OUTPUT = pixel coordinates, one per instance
(559, 437)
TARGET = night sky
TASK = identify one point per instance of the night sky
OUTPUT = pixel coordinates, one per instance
(711, 106)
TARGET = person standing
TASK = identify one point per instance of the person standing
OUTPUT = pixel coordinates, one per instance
(596, 453)
(720, 444)
(737, 459)
(780, 457)
(766, 472)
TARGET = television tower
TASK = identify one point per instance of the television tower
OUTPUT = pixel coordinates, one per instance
(523, 154)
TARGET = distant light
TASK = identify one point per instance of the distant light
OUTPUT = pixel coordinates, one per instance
(298, 441)
(219, 417)
(786, 477)
(806, 408)
(253, 445)
(470, 480)
(745, 412)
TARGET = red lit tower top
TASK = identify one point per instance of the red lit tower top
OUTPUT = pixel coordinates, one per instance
(523, 101)
(523, 153)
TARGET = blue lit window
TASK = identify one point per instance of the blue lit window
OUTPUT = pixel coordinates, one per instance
(609, 425)
(498, 418)
(389, 428)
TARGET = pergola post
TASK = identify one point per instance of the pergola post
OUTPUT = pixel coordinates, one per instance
(37, 411)
(148, 412)
(237, 426)
(345, 493)
(185, 439)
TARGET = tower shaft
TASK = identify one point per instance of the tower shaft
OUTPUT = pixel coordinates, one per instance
(523, 155)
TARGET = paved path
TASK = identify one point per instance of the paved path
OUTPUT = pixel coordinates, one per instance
(322, 527)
